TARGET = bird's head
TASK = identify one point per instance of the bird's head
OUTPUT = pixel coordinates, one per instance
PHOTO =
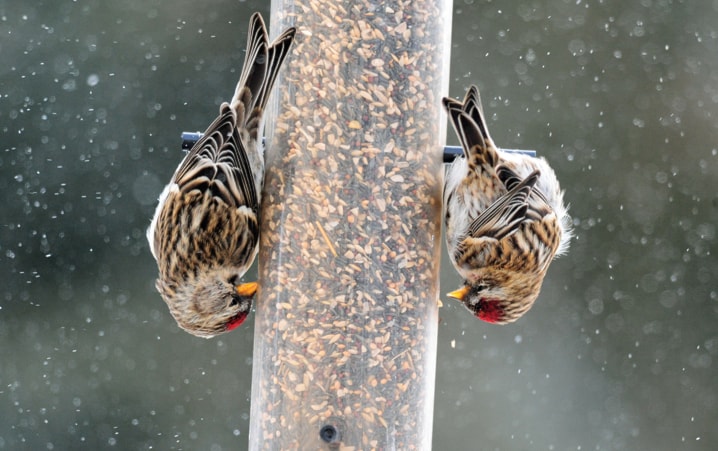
(212, 303)
(493, 304)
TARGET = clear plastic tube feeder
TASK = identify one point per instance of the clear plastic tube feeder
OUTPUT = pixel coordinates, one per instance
(347, 314)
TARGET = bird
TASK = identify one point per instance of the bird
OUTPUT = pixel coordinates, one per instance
(204, 234)
(504, 216)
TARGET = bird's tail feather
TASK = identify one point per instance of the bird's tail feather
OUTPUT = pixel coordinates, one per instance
(261, 66)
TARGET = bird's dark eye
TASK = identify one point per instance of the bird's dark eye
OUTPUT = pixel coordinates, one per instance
(481, 287)
(233, 280)
(235, 300)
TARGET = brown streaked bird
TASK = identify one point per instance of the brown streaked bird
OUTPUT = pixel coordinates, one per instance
(204, 234)
(505, 219)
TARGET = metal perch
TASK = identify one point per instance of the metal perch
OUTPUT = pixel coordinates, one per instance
(450, 152)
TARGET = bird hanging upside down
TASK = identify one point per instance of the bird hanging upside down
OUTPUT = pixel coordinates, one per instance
(205, 234)
(505, 219)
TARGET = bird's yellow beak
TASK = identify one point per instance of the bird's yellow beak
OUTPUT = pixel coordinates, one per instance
(460, 293)
(248, 289)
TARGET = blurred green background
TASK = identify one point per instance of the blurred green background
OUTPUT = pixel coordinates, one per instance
(620, 96)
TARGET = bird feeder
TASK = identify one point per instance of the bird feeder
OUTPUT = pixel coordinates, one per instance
(347, 316)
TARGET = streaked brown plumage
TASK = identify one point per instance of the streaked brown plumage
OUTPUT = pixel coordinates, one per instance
(505, 219)
(204, 233)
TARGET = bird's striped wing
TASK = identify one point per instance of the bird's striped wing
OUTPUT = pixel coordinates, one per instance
(504, 216)
(538, 206)
(218, 162)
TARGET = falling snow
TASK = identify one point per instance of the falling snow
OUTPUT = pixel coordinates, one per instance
(620, 351)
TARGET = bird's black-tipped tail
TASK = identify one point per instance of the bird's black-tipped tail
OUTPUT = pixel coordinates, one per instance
(467, 118)
(261, 66)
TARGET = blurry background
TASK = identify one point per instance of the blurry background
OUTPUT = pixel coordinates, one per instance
(620, 96)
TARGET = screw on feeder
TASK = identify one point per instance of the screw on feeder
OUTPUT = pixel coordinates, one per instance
(450, 152)
(330, 433)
